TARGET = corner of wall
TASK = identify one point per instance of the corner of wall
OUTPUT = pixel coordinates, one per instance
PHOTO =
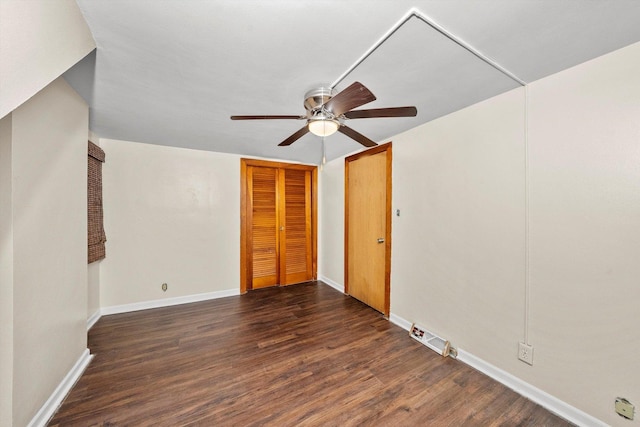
(94, 138)
(93, 293)
(6, 274)
(49, 243)
(34, 59)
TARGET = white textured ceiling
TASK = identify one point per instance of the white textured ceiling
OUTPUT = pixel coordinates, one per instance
(171, 72)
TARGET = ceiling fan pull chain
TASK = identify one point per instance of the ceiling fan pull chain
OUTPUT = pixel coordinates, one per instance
(324, 155)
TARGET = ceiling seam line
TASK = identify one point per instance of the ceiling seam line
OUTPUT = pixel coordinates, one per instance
(430, 22)
(433, 24)
(375, 46)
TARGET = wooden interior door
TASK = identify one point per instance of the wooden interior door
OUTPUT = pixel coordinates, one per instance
(278, 224)
(368, 227)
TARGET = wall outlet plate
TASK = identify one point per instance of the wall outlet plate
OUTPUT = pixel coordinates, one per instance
(525, 353)
(624, 408)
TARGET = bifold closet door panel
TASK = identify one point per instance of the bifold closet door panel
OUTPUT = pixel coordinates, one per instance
(264, 221)
(295, 243)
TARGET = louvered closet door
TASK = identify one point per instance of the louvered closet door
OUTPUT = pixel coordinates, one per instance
(295, 254)
(280, 224)
(263, 183)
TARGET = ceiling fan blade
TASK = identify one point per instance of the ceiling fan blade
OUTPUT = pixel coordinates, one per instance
(350, 98)
(356, 136)
(267, 117)
(382, 112)
(293, 138)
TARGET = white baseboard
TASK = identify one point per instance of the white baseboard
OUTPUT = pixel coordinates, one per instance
(525, 389)
(93, 319)
(397, 320)
(521, 387)
(145, 305)
(331, 283)
(53, 402)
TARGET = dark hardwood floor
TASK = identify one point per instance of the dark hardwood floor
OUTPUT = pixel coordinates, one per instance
(304, 355)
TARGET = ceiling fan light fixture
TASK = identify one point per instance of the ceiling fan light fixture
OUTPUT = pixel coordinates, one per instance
(327, 111)
(323, 127)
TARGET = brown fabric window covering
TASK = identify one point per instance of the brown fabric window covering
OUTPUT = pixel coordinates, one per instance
(96, 152)
(96, 236)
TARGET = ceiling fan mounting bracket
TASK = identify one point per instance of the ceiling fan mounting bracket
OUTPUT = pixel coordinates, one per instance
(321, 113)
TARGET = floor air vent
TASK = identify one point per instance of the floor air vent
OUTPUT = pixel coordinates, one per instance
(431, 340)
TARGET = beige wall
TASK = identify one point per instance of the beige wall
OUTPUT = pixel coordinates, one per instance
(171, 216)
(584, 156)
(331, 223)
(39, 40)
(6, 275)
(460, 244)
(93, 289)
(49, 137)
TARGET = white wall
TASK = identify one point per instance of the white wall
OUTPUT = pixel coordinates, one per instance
(6, 275)
(39, 40)
(49, 162)
(171, 216)
(331, 223)
(93, 289)
(460, 244)
(584, 157)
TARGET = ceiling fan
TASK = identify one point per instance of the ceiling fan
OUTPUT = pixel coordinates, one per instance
(327, 112)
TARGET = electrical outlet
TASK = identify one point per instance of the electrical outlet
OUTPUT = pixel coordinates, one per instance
(525, 353)
(624, 408)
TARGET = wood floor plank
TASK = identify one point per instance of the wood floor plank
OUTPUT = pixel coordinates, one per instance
(303, 355)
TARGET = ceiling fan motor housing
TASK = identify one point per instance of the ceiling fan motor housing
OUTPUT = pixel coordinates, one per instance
(315, 98)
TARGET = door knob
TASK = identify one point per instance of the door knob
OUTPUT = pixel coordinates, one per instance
(380, 239)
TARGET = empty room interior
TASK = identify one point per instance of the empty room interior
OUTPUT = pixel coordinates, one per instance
(411, 212)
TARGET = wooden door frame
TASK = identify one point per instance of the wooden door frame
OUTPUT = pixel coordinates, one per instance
(387, 239)
(246, 261)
